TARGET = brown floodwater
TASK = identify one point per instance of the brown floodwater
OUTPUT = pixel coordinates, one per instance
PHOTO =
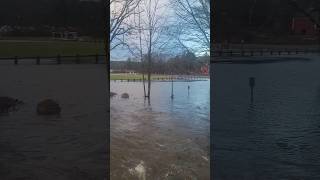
(163, 139)
(71, 146)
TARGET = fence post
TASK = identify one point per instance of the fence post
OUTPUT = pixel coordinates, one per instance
(77, 59)
(97, 58)
(16, 60)
(58, 59)
(38, 60)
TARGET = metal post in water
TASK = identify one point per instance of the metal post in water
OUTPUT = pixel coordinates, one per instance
(16, 60)
(97, 58)
(251, 84)
(171, 86)
(38, 60)
(77, 59)
(58, 59)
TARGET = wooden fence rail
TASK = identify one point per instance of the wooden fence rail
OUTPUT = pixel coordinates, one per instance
(95, 59)
(262, 52)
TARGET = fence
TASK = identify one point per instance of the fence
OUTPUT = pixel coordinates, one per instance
(76, 59)
(261, 52)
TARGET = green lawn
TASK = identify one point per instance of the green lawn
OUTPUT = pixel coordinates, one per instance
(30, 48)
(124, 76)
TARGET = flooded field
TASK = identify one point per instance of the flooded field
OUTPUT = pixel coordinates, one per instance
(166, 139)
(277, 135)
(68, 146)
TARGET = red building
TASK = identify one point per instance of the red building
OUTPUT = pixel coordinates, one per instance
(303, 26)
(205, 69)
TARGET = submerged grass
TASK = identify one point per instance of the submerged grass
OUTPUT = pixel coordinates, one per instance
(127, 76)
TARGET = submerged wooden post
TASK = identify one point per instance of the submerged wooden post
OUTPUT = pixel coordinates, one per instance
(16, 60)
(251, 84)
(172, 88)
(38, 60)
(59, 59)
(77, 59)
(97, 58)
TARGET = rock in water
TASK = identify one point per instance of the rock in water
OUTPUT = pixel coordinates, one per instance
(8, 103)
(48, 107)
(112, 94)
(125, 95)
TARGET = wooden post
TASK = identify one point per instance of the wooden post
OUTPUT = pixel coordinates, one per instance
(97, 58)
(77, 59)
(251, 84)
(59, 59)
(171, 87)
(16, 60)
(38, 60)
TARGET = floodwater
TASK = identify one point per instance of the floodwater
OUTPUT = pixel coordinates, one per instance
(277, 135)
(65, 147)
(166, 139)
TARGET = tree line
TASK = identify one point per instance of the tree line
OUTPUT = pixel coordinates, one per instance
(186, 63)
(85, 16)
(249, 20)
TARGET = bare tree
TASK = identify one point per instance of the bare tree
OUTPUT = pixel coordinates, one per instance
(120, 12)
(147, 36)
(154, 25)
(194, 25)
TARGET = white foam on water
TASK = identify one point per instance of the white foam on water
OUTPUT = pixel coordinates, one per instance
(205, 158)
(139, 171)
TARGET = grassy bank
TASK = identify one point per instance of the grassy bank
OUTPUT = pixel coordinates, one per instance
(31, 48)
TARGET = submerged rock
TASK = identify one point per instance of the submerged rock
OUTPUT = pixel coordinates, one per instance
(7, 104)
(112, 94)
(48, 107)
(125, 95)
